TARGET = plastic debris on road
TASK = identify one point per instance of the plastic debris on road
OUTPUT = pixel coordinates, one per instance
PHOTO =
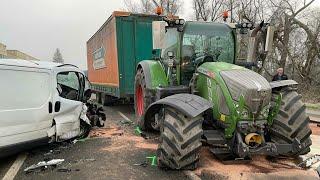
(45, 164)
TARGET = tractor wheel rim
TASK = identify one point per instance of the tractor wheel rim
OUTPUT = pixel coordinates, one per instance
(139, 98)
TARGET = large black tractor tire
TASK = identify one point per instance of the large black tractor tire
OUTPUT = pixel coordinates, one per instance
(291, 122)
(179, 141)
(142, 99)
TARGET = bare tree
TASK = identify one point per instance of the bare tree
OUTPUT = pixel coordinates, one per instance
(57, 57)
(208, 10)
(170, 7)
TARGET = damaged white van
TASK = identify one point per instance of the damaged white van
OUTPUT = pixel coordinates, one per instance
(41, 102)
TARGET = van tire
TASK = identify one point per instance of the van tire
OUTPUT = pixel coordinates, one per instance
(84, 130)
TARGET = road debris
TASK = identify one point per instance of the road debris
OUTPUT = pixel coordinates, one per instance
(64, 170)
(96, 115)
(51, 152)
(141, 133)
(44, 164)
(310, 161)
(143, 164)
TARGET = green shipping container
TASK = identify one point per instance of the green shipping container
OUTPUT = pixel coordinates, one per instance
(114, 51)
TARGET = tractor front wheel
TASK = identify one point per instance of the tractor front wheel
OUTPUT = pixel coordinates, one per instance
(291, 122)
(179, 141)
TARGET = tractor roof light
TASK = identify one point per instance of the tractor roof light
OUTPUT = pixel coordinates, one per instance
(182, 21)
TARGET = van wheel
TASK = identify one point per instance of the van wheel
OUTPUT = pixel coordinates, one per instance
(84, 130)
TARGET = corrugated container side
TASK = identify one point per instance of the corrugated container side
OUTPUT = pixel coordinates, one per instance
(102, 56)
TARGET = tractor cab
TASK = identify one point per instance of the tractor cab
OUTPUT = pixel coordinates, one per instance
(187, 45)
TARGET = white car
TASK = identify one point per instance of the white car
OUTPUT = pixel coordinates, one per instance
(40, 102)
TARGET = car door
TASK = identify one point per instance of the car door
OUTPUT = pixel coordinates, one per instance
(25, 104)
(67, 104)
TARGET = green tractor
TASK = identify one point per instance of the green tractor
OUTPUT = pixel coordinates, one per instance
(201, 89)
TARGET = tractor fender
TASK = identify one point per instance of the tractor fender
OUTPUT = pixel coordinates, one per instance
(154, 73)
(189, 104)
(282, 83)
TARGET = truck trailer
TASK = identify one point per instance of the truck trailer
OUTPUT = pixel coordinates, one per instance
(114, 51)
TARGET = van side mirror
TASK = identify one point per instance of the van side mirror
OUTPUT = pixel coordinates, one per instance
(269, 39)
(158, 34)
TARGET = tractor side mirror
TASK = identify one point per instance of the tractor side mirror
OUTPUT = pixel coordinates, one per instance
(269, 39)
(158, 34)
(170, 54)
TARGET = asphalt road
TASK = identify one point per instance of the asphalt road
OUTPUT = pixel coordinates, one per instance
(101, 157)
(113, 152)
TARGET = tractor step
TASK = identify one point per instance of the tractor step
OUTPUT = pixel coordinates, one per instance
(220, 149)
(214, 137)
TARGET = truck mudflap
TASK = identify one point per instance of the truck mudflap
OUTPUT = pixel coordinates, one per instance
(188, 104)
(282, 83)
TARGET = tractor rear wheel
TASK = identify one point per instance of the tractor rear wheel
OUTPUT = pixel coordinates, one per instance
(179, 141)
(291, 122)
(142, 99)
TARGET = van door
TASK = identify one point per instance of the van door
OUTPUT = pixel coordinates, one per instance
(25, 104)
(67, 104)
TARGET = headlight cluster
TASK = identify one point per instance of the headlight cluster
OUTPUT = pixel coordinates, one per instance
(265, 111)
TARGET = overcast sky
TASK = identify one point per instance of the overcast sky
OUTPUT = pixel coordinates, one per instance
(38, 27)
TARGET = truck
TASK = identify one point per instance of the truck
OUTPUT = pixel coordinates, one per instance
(114, 51)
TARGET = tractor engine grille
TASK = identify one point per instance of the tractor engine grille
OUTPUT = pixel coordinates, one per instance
(255, 89)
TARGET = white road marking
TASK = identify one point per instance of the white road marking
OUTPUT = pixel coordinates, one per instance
(12, 172)
(124, 116)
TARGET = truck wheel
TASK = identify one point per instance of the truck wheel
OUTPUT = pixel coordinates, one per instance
(179, 141)
(98, 97)
(106, 100)
(142, 100)
(291, 122)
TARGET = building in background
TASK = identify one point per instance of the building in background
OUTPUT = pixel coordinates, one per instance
(13, 54)
(3, 51)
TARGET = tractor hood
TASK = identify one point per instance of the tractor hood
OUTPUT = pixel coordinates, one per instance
(255, 89)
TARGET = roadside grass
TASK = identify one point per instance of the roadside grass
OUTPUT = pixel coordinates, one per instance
(312, 106)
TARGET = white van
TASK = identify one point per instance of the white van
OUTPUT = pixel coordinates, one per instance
(40, 102)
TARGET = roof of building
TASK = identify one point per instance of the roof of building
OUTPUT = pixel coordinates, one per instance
(29, 63)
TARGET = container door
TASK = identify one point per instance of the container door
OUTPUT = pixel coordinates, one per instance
(128, 56)
(26, 104)
(143, 39)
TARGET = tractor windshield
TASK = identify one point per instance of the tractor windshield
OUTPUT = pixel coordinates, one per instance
(212, 40)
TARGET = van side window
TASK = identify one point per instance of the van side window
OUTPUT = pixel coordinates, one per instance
(68, 85)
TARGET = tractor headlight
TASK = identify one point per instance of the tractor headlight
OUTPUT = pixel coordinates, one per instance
(245, 114)
(265, 111)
